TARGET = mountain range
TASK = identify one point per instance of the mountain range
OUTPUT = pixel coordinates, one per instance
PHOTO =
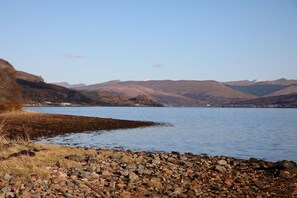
(183, 93)
(202, 93)
(188, 93)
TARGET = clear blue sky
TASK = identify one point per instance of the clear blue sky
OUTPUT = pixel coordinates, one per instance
(96, 41)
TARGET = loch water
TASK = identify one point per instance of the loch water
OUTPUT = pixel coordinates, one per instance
(264, 133)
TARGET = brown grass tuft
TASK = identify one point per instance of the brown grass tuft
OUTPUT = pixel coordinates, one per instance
(3, 134)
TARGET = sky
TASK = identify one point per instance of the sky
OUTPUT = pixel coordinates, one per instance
(101, 40)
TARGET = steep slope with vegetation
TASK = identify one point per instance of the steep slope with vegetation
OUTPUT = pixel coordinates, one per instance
(10, 94)
(48, 94)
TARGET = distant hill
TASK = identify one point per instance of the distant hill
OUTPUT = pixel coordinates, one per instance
(287, 90)
(289, 100)
(172, 93)
(258, 89)
(264, 88)
(194, 93)
(281, 81)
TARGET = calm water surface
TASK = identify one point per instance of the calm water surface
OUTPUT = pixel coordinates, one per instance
(269, 134)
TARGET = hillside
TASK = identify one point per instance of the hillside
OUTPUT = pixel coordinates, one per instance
(36, 92)
(28, 77)
(289, 100)
(10, 94)
(264, 88)
(40, 93)
(172, 93)
(196, 93)
(287, 90)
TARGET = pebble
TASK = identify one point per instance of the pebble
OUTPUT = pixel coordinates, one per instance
(222, 162)
(221, 169)
(7, 176)
(132, 176)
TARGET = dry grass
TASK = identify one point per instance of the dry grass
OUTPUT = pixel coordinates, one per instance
(3, 134)
(48, 156)
(25, 166)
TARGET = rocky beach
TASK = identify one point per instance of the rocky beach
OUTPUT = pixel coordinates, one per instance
(51, 171)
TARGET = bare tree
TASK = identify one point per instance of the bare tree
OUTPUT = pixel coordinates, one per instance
(10, 94)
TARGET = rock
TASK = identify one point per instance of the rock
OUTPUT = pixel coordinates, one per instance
(221, 169)
(222, 162)
(125, 194)
(84, 175)
(143, 171)
(10, 194)
(22, 187)
(74, 158)
(105, 173)
(229, 182)
(175, 153)
(112, 185)
(154, 184)
(183, 158)
(141, 190)
(284, 174)
(131, 167)
(155, 162)
(58, 180)
(95, 175)
(6, 189)
(132, 176)
(176, 193)
(125, 173)
(7, 177)
(293, 170)
(285, 164)
(167, 171)
(253, 160)
(259, 184)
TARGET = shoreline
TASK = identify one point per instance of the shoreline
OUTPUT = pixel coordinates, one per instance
(29, 169)
(31, 125)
